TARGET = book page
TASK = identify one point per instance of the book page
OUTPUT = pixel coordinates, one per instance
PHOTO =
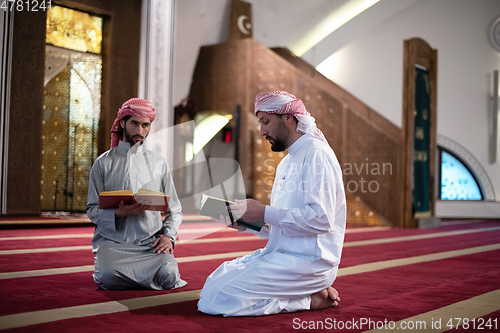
(145, 191)
(117, 193)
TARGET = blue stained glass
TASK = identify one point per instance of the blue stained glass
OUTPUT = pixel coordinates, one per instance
(457, 183)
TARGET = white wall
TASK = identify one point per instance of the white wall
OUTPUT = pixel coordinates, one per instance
(283, 23)
(197, 23)
(371, 68)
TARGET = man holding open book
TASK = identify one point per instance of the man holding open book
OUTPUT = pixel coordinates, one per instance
(305, 224)
(133, 247)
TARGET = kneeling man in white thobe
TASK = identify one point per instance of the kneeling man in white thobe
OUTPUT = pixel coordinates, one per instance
(305, 224)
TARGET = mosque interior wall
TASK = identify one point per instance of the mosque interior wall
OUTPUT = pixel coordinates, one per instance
(371, 68)
(235, 72)
(369, 65)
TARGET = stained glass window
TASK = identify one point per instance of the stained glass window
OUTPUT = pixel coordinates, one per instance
(72, 105)
(74, 30)
(457, 182)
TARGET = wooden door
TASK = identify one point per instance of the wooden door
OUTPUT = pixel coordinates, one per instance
(418, 169)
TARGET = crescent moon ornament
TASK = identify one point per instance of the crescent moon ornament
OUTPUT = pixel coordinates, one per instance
(494, 34)
(242, 26)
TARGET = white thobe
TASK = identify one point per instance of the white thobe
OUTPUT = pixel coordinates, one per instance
(305, 226)
(124, 256)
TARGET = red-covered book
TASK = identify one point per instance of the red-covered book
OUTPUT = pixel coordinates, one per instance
(152, 199)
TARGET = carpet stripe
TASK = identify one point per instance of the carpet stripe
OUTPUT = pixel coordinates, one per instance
(218, 240)
(214, 256)
(86, 235)
(181, 231)
(417, 237)
(206, 230)
(61, 236)
(89, 247)
(363, 268)
(366, 229)
(47, 249)
(66, 220)
(46, 221)
(237, 238)
(43, 272)
(45, 316)
(471, 308)
(90, 268)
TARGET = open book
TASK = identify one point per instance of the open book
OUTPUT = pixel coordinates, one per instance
(215, 207)
(153, 199)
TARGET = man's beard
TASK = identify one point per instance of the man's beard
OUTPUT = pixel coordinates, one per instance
(130, 139)
(279, 141)
(278, 144)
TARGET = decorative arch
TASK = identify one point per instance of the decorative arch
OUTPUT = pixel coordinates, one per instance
(472, 164)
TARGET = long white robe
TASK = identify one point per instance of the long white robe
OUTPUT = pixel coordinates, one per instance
(305, 226)
(124, 256)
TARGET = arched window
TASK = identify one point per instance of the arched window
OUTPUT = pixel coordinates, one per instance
(457, 182)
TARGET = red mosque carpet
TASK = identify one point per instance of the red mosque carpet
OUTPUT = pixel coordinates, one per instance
(429, 280)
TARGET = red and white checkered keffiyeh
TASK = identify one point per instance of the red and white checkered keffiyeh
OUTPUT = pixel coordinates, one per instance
(133, 107)
(282, 102)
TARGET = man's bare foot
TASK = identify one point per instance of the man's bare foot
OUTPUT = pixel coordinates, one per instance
(324, 299)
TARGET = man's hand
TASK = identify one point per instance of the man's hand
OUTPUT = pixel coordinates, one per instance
(163, 245)
(126, 210)
(249, 210)
(225, 220)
